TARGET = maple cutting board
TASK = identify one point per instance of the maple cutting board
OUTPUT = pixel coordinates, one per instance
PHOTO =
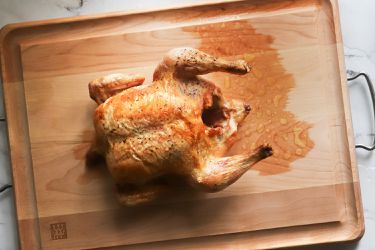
(306, 193)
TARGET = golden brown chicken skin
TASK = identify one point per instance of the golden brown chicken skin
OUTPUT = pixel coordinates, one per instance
(179, 125)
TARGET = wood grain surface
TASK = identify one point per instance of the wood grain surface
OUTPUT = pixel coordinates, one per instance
(307, 193)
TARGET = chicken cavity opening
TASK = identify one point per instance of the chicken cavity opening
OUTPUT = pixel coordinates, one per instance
(214, 115)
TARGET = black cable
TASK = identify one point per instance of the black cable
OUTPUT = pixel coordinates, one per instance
(5, 187)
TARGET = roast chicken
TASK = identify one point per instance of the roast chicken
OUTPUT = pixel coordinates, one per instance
(178, 126)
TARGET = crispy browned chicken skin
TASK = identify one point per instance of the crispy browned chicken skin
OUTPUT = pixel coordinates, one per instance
(179, 125)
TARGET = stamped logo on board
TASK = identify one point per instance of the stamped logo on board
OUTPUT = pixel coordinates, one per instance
(58, 231)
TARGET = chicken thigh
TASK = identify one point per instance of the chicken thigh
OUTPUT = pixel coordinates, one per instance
(178, 125)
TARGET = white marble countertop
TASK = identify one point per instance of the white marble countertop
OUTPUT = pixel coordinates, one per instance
(358, 29)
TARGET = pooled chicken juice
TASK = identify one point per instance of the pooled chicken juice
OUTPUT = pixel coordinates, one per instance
(266, 89)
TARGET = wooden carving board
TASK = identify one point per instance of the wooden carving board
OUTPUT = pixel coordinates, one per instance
(308, 193)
